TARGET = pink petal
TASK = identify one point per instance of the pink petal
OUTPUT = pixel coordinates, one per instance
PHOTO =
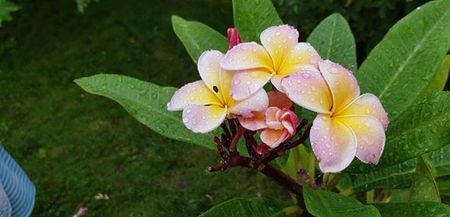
(302, 57)
(370, 137)
(246, 83)
(289, 121)
(217, 79)
(255, 103)
(309, 90)
(254, 123)
(276, 82)
(333, 143)
(245, 56)
(273, 138)
(195, 93)
(279, 99)
(366, 104)
(273, 118)
(343, 85)
(279, 41)
(203, 119)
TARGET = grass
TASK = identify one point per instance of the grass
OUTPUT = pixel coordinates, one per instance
(74, 145)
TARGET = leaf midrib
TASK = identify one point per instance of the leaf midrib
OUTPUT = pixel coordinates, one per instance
(410, 56)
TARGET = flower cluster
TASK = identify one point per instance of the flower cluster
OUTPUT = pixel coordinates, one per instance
(232, 87)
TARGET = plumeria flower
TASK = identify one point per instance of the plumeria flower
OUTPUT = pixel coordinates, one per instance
(347, 123)
(207, 102)
(279, 56)
(278, 123)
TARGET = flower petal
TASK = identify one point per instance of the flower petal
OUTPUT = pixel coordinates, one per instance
(279, 41)
(217, 79)
(273, 118)
(203, 119)
(249, 55)
(273, 138)
(366, 104)
(333, 143)
(254, 123)
(255, 103)
(195, 93)
(276, 82)
(289, 121)
(370, 137)
(309, 90)
(246, 83)
(302, 57)
(343, 85)
(279, 99)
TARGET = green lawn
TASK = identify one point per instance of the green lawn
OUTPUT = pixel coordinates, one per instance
(74, 145)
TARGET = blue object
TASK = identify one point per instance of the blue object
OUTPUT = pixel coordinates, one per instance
(17, 193)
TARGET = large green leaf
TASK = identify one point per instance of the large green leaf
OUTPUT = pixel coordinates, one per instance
(424, 188)
(322, 203)
(251, 17)
(334, 40)
(444, 186)
(421, 129)
(416, 209)
(147, 103)
(6, 8)
(396, 176)
(440, 78)
(401, 175)
(240, 207)
(198, 37)
(402, 65)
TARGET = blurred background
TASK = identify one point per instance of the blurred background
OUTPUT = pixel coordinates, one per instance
(74, 145)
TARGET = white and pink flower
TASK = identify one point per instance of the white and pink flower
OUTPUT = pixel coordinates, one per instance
(280, 55)
(207, 102)
(348, 124)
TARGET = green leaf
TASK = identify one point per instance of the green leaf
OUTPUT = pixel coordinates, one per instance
(334, 40)
(444, 187)
(421, 129)
(402, 65)
(416, 209)
(397, 176)
(322, 203)
(424, 188)
(255, 207)
(251, 17)
(401, 175)
(198, 37)
(440, 78)
(6, 8)
(147, 103)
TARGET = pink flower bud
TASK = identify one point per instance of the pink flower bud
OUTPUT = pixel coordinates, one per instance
(233, 37)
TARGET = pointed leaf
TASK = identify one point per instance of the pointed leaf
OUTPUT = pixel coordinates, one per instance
(14, 183)
(334, 40)
(322, 203)
(198, 37)
(401, 175)
(416, 209)
(240, 207)
(251, 17)
(147, 103)
(402, 65)
(424, 188)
